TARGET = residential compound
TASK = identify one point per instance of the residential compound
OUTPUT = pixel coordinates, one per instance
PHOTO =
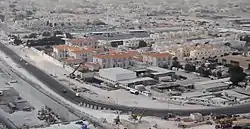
(199, 51)
(66, 51)
(93, 52)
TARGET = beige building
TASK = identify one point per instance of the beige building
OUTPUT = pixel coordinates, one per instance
(84, 53)
(114, 59)
(157, 59)
(62, 51)
(200, 51)
(208, 51)
(88, 42)
(66, 51)
(242, 61)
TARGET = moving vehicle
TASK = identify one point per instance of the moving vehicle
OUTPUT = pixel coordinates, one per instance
(64, 91)
(1, 93)
(77, 94)
(13, 81)
(133, 91)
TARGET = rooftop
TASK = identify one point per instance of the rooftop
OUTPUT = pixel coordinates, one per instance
(238, 58)
(116, 70)
(83, 51)
(243, 60)
(211, 85)
(159, 70)
(82, 40)
(66, 48)
(136, 80)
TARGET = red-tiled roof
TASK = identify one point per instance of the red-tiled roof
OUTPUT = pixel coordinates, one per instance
(117, 55)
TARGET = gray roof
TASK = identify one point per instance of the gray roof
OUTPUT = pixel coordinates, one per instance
(159, 70)
(136, 80)
(116, 70)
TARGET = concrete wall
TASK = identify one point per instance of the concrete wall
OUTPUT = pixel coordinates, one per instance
(55, 61)
(49, 58)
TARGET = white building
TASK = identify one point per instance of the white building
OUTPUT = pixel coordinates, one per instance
(132, 43)
(196, 117)
(135, 42)
(117, 74)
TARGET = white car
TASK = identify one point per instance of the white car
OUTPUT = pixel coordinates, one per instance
(26, 63)
(77, 94)
(21, 59)
(13, 81)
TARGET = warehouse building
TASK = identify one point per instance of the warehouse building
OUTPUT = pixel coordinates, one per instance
(212, 85)
(122, 76)
(242, 61)
(117, 74)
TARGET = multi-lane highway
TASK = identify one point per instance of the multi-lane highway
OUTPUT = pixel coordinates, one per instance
(70, 95)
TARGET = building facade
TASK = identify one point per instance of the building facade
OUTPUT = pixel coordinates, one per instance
(209, 51)
(84, 53)
(88, 42)
(242, 61)
(157, 59)
(62, 51)
(115, 59)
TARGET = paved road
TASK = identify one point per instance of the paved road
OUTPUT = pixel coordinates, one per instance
(70, 95)
(6, 121)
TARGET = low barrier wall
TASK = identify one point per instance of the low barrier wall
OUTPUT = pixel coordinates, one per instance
(49, 58)
(55, 61)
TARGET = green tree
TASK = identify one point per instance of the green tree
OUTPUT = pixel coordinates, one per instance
(142, 43)
(17, 42)
(205, 72)
(219, 74)
(176, 63)
(236, 74)
(189, 68)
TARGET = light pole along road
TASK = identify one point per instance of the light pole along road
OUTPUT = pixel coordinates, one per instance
(70, 95)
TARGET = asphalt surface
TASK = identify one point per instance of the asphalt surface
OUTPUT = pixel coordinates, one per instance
(70, 95)
(6, 121)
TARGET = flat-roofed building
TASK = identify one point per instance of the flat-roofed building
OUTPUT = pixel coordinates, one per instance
(117, 74)
(242, 61)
